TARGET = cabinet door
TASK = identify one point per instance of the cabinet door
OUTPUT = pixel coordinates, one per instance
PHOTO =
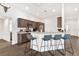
(30, 24)
(22, 22)
(34, 25)
(22, 38)
(59, 22)
(19, 22)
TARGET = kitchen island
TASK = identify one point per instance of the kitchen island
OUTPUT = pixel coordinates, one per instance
(40, 47)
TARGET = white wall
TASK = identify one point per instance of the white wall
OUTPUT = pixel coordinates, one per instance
(73, 26)
(4, 29)
(1, 29)
(50, 24)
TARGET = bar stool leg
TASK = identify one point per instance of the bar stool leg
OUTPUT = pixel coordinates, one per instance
(41, 47)
(47, 45)
(55, 47)
(64, 48)
(31, 46)
(38, 47)
(59, 43)
(52, 46)
(44, 47)
(71, 47)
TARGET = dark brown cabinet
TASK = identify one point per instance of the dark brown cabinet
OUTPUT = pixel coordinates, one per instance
(59, 22)
(24, 23)
(22, 37)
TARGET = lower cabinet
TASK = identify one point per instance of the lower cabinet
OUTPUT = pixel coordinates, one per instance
(22, 38)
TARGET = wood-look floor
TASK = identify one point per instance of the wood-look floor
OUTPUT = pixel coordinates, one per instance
(18, 50)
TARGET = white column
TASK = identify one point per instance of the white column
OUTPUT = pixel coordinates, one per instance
(63, 23)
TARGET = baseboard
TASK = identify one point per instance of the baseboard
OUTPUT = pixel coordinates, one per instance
(1, 39)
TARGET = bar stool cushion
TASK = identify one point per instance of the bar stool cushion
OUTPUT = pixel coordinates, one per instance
(47, 37)
(30, 37)
(66, 36)
(57, 37)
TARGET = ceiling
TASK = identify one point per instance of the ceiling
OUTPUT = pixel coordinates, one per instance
(46, 10)
(71, 11)
(39, 10)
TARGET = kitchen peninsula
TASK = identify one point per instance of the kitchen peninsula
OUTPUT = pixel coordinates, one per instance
(40, 35)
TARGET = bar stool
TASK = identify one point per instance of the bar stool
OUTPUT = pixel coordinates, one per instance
(46, 39)
(68, 37)
(57, 43)
(31, 38)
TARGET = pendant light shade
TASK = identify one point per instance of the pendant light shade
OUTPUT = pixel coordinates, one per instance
(5, 8)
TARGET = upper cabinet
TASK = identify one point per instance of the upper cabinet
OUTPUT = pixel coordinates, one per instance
(24, 23)
(59, 22)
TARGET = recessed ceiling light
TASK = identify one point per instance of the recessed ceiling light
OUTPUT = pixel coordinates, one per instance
(75, 9)
(27, 8)
(54, 10)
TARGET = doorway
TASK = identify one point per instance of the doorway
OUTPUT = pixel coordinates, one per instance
(4, 32)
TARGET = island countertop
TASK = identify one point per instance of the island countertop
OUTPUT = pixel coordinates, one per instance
(40, 35)
(43, 32)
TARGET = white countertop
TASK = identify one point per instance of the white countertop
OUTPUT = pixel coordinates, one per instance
(48, 33)
(23, 32)
(40, 42)
(41, 32)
